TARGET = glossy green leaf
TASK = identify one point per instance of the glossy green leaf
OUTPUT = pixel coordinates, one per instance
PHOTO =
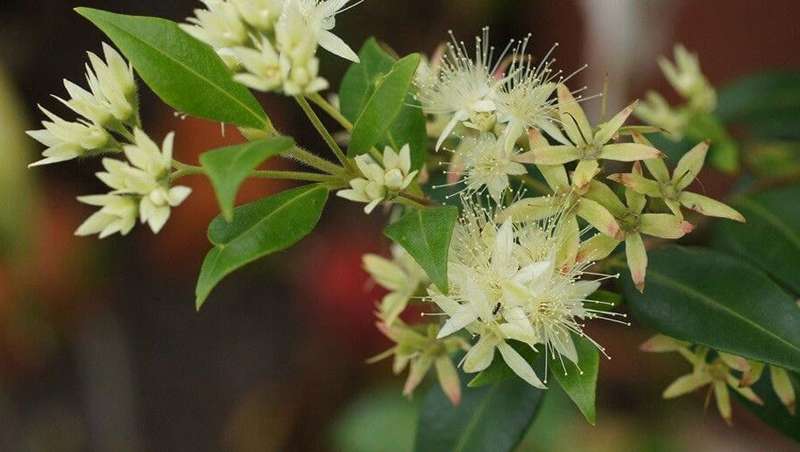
(580, 384)
(229, 167)
(771, 237)
(706, 297)
(383, 106)
(768, 103)
(185, 73)
(258, 229)
(358, 86)
(426, 234)
(773, 413)
(492, 418)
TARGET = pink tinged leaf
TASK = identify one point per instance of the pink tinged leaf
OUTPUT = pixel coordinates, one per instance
(629, 152)
(782, 384)
(638, 183)
(636, 254)
(636, 201)
(661, 344)
(709, 207)
(686, 384)
(664, 225)
(735, 362)
(609, 129)
(448, 379)
(598, 247)
(743, 390)
(555, 176)
(753, 375)
(568, 252)
(419, 368)
(573, 118)
(520, 367)
(689, 166)
(549, 155)
(585, 172)
(723, 400)
(657, 167)
(599, 217)
(529, 209)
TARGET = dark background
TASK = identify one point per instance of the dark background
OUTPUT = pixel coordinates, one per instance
(101, 348)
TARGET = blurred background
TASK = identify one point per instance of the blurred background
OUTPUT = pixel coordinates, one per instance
(101, 348)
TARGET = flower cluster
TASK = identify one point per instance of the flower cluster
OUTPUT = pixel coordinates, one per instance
(109, 123)
(511, 281)
(380, 182)
(272, 44)
(688, 80)
(723, 372)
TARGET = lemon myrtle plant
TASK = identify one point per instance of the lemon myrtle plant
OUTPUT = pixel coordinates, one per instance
(516, 222)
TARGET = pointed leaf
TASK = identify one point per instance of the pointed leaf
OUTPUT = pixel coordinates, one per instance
(771, 237)
(580, 384)
(489, 418)
(229, 167)
(359, 84)
(705, 297)
(426, 234)
(258, 229)
(383, 106)
(185, 73)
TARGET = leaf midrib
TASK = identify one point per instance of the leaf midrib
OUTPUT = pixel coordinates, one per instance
(268, 216)
(188, 69)
(473, 422)
(716, 305)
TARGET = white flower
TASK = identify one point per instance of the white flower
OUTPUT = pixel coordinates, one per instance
(487, 165)
(465, 89)
(146, 178)
(112, 80)
(319, 18)
(303, 76)
(505, 284)
(68, 140)
(219, 26)
(379, 181)
(263, 65)
(117, 215)
(401, 276)
(526, 100)
(297, 43)
(259, 14)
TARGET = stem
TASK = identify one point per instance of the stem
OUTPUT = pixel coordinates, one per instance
(315, 121)
(332, 111)
(423, 202)
(402, 199)
(312, 160)
(183, 169)
(292, 175)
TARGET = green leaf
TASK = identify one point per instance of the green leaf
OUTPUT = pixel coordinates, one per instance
(185, 73)
(426, 234)
(771, 237)
(359, 84)
(773, 413)
(383, 106)
(580, 384)
(229, 167)
(492, 418)
(258, 229)
(768, 103)
(703, 296)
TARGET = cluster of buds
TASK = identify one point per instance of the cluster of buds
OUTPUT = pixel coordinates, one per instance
(688, 80)
(110, 123)
(416, 346)
(272, 44)
(380, 182)
(722, 372)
